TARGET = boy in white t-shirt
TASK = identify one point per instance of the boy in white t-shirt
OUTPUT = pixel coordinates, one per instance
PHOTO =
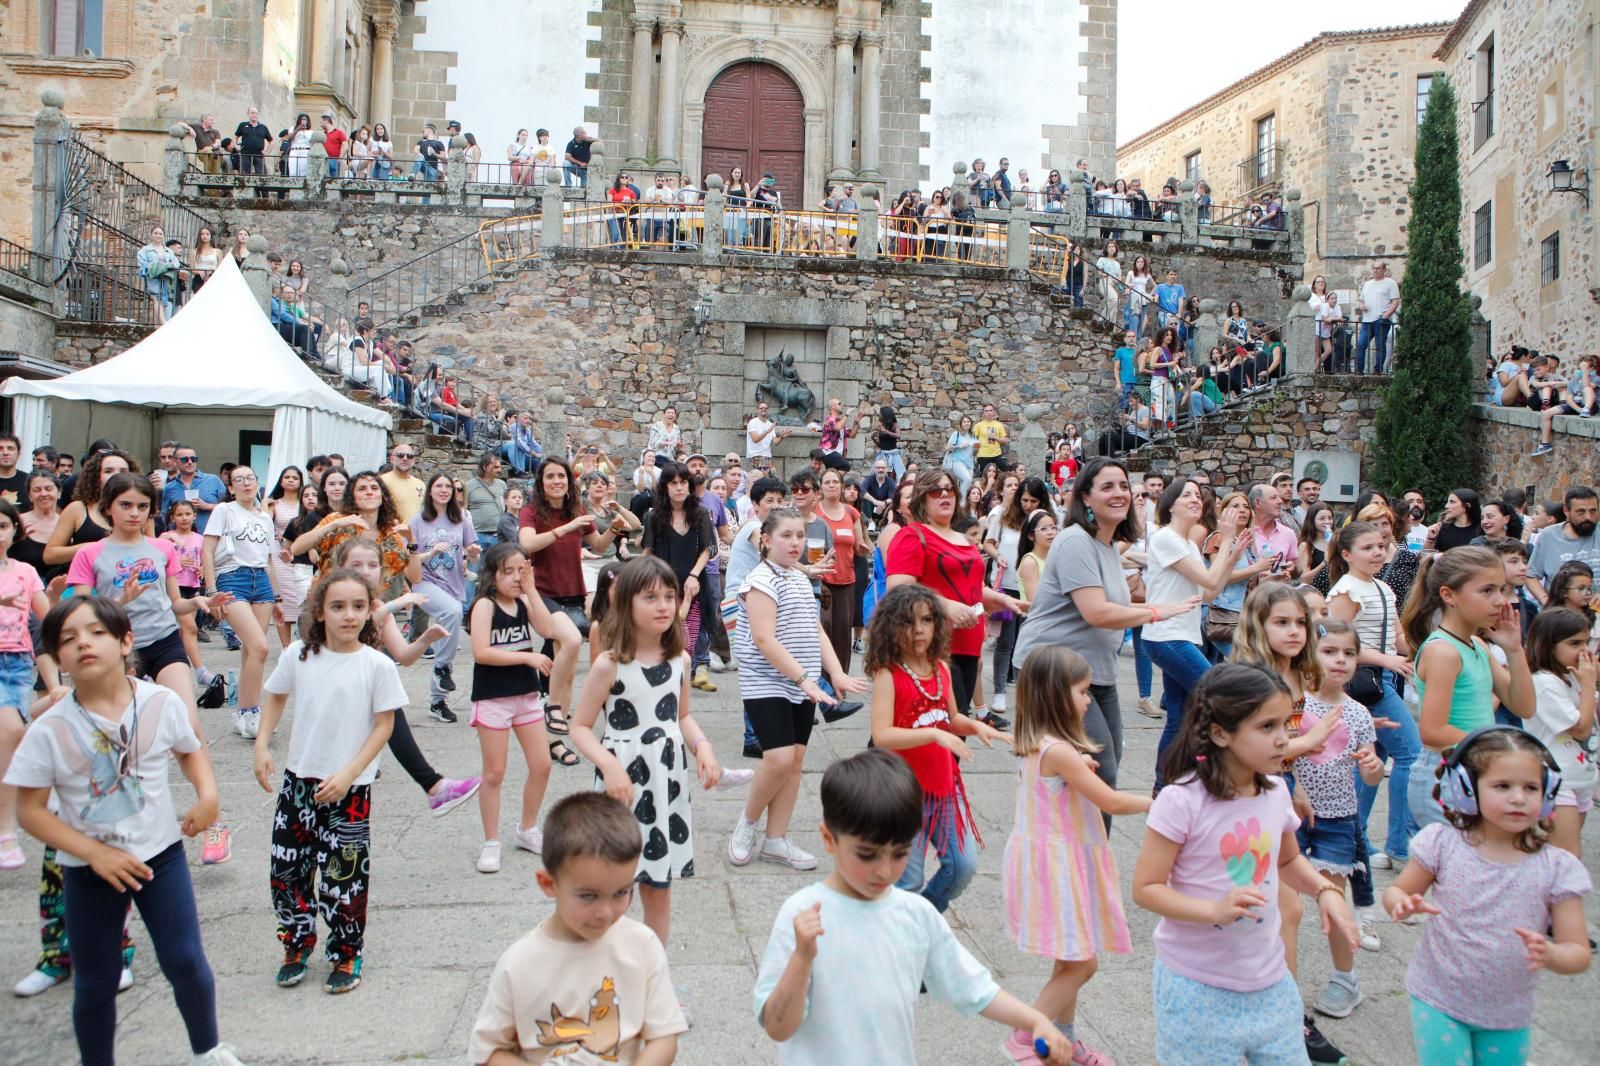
(840, 976)
(588, 984)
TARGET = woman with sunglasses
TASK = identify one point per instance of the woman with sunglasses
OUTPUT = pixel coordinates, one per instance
(930, 552)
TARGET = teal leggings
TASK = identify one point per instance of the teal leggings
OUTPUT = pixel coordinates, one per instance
(1443, 1041)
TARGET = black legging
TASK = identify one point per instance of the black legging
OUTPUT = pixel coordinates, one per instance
(404, 747)
(964, 677)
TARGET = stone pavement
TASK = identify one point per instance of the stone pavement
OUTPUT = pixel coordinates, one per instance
(436, 927)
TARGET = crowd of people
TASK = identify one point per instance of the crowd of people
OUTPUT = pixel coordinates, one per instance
(1305, 655)
(1527, 378)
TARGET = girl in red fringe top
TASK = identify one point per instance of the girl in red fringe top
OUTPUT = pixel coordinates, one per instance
(914, 715)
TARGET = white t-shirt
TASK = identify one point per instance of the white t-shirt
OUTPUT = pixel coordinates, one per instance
(77, 753)
(1376, 296)
(1163, 584)
(758, 449)
(1555, 710)
(1009, 541)
(337, 698)
(871, 958)
(249, 532)
(1374, 601)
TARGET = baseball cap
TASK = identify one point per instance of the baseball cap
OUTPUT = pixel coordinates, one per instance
(695, 456)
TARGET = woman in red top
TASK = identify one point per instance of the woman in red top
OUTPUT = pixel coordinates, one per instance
(849, 540)
(931, 553)
(914, 715)
(554, 532)
(621, 196)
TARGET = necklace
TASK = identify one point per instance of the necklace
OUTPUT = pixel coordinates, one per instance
(936, 697)
(1458, 640)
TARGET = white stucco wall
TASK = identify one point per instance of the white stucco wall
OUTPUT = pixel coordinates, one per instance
(1000, 72)
(522, 63)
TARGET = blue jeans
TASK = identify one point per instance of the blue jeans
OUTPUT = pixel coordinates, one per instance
(1142, 669)
(1124, 391)
(578, 176)
(1420, 783)
(1182, 665)
(958, 857)
(425, 171)
(896, 461)
(1201, 404)
(1401, 744)
(95, 915)
(1373, 331)
(381, 169)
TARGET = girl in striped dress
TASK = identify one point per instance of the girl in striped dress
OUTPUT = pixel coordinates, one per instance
(1062, 897)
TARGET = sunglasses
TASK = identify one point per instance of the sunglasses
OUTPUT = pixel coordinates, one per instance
(405, 455)
(941, 492)
(188, 459)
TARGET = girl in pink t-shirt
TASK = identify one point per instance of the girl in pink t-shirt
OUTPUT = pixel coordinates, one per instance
(1498, 888)
(188, 544)
(1218, 841)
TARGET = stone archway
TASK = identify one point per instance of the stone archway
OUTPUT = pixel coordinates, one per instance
(755, 119)
(799, 65)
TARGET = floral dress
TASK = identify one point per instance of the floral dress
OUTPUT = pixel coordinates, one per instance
(393, 553)
(641, 719)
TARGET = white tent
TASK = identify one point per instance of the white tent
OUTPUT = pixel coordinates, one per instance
(218, 353)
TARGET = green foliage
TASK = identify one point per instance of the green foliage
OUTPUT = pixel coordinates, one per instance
(1422, 440)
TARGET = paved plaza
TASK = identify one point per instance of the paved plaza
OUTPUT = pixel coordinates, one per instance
(436, 926)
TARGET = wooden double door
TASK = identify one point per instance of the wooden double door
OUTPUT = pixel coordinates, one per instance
(755, 119)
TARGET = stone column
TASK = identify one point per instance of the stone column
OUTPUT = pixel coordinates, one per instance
(384, 28)
(317, 167)
(326, 43)
(1033, 444)
(599, 177)
(711, 244)
(1300, 335)
(1207, 331)
(50, 131)
(550, 211)
(867, 224)
(1018, 233)
(871, 102)
(336, 292)
(1297, 227)
(639, 91)
(1077, 212)
(668, 104)
(255, 272)
(844, 45)
(455, 171)
(1188, 212)
(553, 433)
(173, 163)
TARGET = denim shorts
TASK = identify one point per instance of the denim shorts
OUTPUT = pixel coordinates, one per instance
(16, 681)
(249, 584)
(1330, 843)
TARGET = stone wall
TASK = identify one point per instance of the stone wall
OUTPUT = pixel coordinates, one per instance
(1547, 74)
(422, 89)
(1506, 437)
(1345, 115)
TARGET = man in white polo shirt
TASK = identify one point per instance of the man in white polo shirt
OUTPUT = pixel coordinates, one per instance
(1380, 302)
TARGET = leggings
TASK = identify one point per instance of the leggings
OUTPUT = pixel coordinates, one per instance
(406, 752)
(837, 619)
(1005, 641)
(1443, 1041)
(1102, 722)
(96, 914)
(444, 609)
(964, 677)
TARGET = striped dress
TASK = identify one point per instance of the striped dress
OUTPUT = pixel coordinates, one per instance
(1062, 897)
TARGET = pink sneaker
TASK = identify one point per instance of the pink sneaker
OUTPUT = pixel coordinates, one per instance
(1084, 1055)
(1018, 1047)
(453, 792)
(11, 856)
(215, 848)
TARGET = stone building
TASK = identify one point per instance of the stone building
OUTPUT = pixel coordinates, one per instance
(1527, 74)
(1336, 118)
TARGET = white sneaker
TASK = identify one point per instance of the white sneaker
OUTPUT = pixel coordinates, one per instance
(1369, 929)
(732, 779)
(785, 851)
(742, 845)
(531, 839)
(489, 857)
(999, 702)
(1380, 861)
(717, 665)
(221, 1055)
(125, 982)
(36, 982)
(247, 723)
(240, 726)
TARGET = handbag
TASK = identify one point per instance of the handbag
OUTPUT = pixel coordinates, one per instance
(1366, 686)
(1220, 625)
(572, 607)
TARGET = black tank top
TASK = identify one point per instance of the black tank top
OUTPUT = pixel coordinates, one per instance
(507, 632)
(88, 531)
(30, 551)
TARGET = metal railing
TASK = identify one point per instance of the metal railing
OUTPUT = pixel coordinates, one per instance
(428, 282)
(23, 262)
(1260, 170)
(1483, 119)
(120, 207)
(104, 293)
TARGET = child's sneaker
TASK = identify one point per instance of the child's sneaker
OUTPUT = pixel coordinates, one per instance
(38, 981)
(293, 970)
(11, 856)
(731, 779)
(1018, 1047)
(440, 710)
(221, 1055)
(453, 792)
(489, 857)
(1369, 929)
(1084, 1055)
(531, 839)
(742, 845)
(1339, 998)
(443, 676)
(1544, 448)
(785, 851)
(1318, 1049)
(346, 977)
(1379, 860)
(215, 846)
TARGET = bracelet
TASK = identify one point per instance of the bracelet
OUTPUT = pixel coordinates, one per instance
(1330, 887)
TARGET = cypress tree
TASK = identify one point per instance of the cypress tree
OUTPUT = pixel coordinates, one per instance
(1422, 439)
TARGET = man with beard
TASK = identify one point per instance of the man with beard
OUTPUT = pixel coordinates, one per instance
(1575, 539)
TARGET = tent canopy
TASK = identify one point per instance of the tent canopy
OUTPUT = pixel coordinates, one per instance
(219, 351)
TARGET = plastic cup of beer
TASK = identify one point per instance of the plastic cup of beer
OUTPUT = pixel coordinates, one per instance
(816, 548)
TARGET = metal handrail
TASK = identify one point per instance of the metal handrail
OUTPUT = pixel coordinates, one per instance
(427, 280)
(23, 262)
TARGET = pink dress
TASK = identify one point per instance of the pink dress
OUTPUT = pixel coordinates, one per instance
(1063, 900)
(290, 590)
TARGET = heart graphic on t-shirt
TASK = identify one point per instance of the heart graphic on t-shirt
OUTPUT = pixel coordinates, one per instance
(1247, 851)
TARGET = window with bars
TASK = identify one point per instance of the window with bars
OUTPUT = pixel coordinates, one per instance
(1483, 234)
(1550, 259)
(1483, 107)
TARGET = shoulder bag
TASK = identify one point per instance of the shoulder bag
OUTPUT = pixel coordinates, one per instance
(1366, 687)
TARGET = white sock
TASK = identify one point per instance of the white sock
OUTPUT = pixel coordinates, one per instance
(1345, 977)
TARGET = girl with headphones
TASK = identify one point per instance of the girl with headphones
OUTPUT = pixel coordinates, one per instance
(1496, 889)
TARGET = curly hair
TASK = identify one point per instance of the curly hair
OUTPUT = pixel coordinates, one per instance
(87, 490)
(388, 517)
(889, 636)
(314, 631)
(1227, 696)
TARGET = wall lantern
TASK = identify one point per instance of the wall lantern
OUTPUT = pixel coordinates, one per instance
(702, 314)
(1563, 178)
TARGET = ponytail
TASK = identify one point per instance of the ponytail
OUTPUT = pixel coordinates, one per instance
(1446, 570)
(1226, 697)
(1343, 541)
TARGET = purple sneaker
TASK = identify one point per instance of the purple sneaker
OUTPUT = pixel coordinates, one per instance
(453, 792)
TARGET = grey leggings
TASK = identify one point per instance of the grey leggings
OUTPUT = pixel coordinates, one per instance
(1103, 722)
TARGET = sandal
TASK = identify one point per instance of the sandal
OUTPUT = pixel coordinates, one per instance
(559, 752)
(555, 721)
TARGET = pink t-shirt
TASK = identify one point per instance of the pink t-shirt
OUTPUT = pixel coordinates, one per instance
(1470, 949)
(17, 579)
(188, 548)
(1224, 844)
